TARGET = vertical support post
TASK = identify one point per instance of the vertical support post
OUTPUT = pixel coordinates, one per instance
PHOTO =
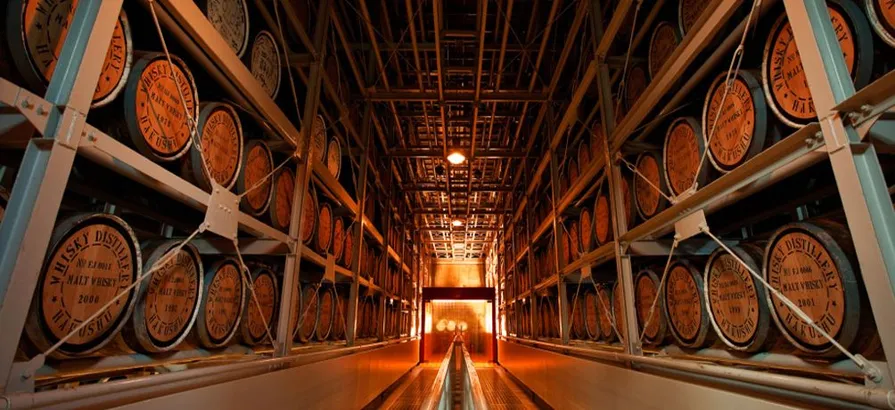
(619, 226)
(358, 232)
(856, 168)
(37, 194)
(293, 260)
(559, 254)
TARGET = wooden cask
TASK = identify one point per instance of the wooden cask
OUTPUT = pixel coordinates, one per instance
(574, 242)
(682, 154)
(35, 33)
(231, 19)
(605, 302)
(257, 164)
(326, 306)
(597, 142)
(341, 314)
(618, 311)
(577, 316)
(881, 14)
(628, 201)
(548, 318)
(814, 266)
(603, 216)
(737, 302)
(688, 12)
(636, 82)
(309, 215)
(339, 234)
(365, 316)
(222, 304)
(154, 99)
(585, 155)
(783, 77)
(255, 321)
(649, 185)
(646, 288)
(586, 230)
(348, 249)
(168, 301)
(334, 157)
(324, 235)
(280, 210)
(742, 122)
(265, 63)
(572, 175)
(309, 313)
(662, 44)
(591, 314)
(685, 307)
(220, 156)
(318, 141)
(91, 258)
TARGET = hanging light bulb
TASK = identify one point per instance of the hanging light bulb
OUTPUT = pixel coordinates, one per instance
(457, 222)
(456, 158)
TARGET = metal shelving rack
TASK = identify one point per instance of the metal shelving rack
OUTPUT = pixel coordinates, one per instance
(62, 133)
(844, 118)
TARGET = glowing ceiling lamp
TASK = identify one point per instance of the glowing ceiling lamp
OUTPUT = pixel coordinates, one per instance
(459, 245)
(456, 158)
(457, 222)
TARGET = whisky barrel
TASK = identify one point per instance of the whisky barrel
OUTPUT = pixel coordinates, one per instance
(168, 301)
(605, 301)
(881, 14)
(664, 40)
(91, 258)
(813, 265)
(574, 242)
(591, 314)
(742, 126)
(309, 313)
(586, 230)
(281, 200)
(547, 321)
(318, 142)
(257, 164)
(636, 81)
(646, 287)
(255, 322)
(577, 314)
(602, 216)
(688, 11)
(35, 32)
(628, 201)
(265, 63)
(374, 326)
(736, 301)
(341, 317)
(682, 155)
(231, 19)
(783, 77)
(334, 157)
(339, 234)
(585, 155)
(220, 137)
(649, 185)
(326, 296)
(572, 175)
(684, 297)
(154, 113)
(618, 311)
(222, 304)
(597, 142)
(324, 234)
(348, 248)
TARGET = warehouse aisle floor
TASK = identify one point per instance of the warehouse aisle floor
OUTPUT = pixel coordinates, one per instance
(501, 392)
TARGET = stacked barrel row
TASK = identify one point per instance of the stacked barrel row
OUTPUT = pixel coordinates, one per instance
(716, 300)
(544, 262)
(186, 300)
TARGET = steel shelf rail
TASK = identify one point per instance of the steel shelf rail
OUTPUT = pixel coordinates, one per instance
(110, 153)
(598, 256)
(810, 389)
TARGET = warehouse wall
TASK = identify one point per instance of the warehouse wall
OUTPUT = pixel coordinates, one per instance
(458, 275)
(348, 382)
(566, 382)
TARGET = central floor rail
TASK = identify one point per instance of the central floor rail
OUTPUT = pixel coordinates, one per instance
(457, 370)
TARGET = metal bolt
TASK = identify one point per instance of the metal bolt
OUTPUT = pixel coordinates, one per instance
(853, 117)
(27, 105)
(40, 111)
(866, 109)
(91, 137)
